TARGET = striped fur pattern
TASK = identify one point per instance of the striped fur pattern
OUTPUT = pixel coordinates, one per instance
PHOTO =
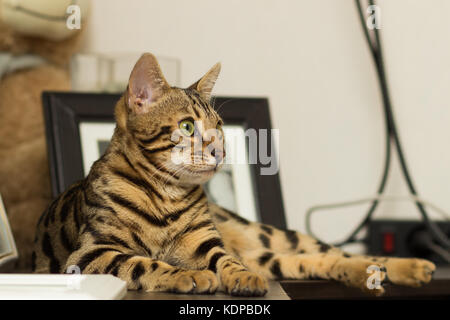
(146, 220)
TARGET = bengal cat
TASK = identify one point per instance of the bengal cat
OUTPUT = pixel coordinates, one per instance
(142, 217)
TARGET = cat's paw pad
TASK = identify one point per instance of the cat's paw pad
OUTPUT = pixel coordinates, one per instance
(411, 272)
(246, 284)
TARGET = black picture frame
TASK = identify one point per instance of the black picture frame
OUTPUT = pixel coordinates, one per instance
(64, 111)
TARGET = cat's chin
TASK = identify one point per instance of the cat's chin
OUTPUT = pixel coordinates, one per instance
(198, 176)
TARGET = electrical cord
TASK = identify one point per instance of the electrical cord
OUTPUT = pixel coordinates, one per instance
(421, 241)
(444, 254)
(434, 230)
(388, 128)
(445, 215)
(391, 136)
(437, 234)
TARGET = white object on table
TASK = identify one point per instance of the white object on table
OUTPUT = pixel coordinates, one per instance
(61, 287)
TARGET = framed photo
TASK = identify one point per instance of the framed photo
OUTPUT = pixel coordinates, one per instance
(80, 125)
(8, 250)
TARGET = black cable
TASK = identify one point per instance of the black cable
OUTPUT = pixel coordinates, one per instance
(437, 234)
(392, 134)
(388, 124)
(422, 243)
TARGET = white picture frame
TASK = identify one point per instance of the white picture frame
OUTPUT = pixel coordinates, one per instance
(61, 287)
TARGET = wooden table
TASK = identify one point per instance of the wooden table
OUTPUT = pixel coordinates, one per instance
(439, 287)
(275, 292)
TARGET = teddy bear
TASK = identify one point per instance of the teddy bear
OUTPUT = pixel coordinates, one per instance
(34, 57)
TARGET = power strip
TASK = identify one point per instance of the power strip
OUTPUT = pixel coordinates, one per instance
(395, 238)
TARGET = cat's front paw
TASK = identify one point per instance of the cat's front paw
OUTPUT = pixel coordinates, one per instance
(410, 272)
(246, 284)
(189, 281)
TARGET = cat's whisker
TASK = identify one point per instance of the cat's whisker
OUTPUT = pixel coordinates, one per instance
(172, 175)
(158, 169)
(213, 101)
(223, 103)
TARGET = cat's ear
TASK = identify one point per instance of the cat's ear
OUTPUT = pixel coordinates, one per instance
(205, 85)
(146, 85)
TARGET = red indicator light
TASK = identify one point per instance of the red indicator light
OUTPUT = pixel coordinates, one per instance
(388, 242)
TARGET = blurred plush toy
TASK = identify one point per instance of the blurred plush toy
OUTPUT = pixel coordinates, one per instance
(35, 48)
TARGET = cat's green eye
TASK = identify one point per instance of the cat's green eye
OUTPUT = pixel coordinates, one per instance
(187, 127)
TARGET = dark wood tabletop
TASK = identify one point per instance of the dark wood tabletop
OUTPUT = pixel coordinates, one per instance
(275, 292)
(439, 287)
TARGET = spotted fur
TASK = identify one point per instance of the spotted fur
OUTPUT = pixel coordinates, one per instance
(142, 218)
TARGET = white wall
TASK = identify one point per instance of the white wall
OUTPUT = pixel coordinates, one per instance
(309, 57)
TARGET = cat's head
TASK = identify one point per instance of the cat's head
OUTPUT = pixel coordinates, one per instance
(173, 130)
